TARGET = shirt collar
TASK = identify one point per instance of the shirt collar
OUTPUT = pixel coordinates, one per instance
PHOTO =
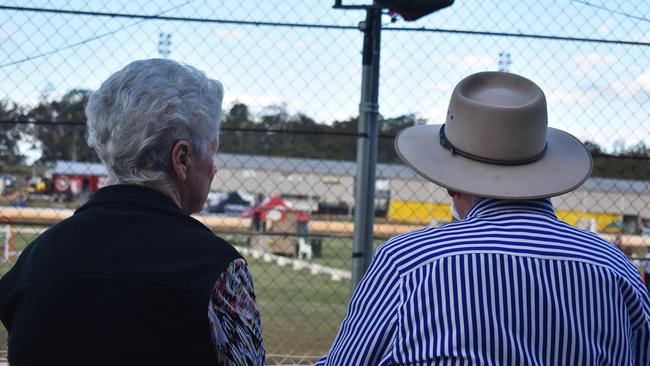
(488, 206)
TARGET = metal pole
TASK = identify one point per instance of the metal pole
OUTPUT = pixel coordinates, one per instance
(366, 147)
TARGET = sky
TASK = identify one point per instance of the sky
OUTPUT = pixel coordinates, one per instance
(596, 91)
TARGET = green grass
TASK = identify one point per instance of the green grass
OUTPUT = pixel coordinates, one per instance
(301, 313)
(3, 338)
(22, 236)
(21, 239)
(337, 252)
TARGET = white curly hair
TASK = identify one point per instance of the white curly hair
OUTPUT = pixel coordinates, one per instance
(139, 112)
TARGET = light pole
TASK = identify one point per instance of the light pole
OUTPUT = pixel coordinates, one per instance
(364, 212)
(164, 44)
(367, 146)
(504, 61)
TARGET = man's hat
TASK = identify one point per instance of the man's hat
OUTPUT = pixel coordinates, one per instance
(495, 143)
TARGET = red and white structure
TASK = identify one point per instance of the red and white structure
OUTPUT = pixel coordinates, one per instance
(72, 178)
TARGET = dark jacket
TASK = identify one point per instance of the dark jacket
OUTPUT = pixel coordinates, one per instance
(125, 281)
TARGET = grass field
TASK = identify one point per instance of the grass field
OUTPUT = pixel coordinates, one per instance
(301, 313)
(21, 239)
(335, 251)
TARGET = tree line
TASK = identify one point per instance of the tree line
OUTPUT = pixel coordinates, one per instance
(272, 132)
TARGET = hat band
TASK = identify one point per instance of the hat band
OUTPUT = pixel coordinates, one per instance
(456, 151)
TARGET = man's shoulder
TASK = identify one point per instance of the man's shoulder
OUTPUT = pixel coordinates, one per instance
(432, 235)
(440, 235)
(543, 238)
(414, 247)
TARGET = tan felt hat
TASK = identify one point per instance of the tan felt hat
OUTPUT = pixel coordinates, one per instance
(495, 143)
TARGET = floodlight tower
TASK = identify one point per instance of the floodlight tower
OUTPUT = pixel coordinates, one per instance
(504, 61)
(164, 44)
(409, 10)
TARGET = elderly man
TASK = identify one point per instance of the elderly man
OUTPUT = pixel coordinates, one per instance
(507, 284)
(131, 278)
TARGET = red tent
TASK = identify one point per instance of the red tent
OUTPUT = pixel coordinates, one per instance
(278, 204)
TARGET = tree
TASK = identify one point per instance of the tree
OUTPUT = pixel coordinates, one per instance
(391, 127)
(593, 148)
(60, 141)
(11, 134)
(340, 140)
(626, 163)
(238, 117)
(275, 118)
(336, 141)
(640, 150)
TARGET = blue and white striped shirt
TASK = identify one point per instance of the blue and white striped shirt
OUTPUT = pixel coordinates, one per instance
(509, 285)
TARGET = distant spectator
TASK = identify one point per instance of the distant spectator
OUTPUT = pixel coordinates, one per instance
(131, 278)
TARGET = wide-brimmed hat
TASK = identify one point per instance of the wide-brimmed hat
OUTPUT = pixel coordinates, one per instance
(495, 143)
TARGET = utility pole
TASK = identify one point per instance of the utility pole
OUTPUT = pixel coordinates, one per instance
(164, 44)
(364, 212)
(364, 196)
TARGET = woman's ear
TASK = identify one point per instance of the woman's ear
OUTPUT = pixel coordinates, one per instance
(181, 159)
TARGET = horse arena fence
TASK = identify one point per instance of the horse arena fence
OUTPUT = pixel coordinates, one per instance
(7, 240)
(284, 194)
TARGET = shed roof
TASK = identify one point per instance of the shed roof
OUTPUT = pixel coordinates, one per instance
(336, 168)
(77, 168)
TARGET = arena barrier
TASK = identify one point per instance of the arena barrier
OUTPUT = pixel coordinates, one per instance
(50, 216)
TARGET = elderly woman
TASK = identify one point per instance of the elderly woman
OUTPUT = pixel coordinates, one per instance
(131, 278)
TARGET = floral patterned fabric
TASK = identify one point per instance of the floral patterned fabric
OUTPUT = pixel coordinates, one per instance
(235, 319)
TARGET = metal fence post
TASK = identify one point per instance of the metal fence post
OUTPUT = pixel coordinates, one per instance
(366, 147)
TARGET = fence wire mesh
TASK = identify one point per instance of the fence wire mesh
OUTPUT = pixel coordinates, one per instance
(292, 73)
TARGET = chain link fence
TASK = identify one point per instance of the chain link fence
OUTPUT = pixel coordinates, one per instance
(284, 193)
